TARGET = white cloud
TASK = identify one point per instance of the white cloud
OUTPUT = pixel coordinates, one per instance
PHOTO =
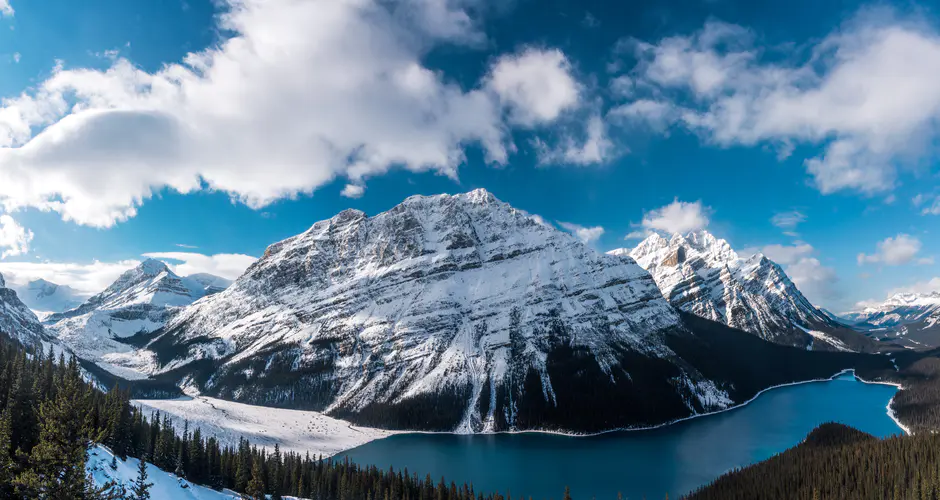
(927, 286)
(17, 57)
(226, 265)
(895, 251)
(88, 279)
(816, 281)
(183, 245)
(536, 85)
(787, 254)
(656, 114)
(596, 148)
(302, 93)
(676, 217)
(788, 220)
(868, 126)
(585, 234)
(6, 9)
(353, 191)
(919, 200)
(933, 208)
(14, 238)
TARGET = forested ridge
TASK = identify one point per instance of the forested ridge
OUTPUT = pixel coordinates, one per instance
(839, 462)
(50, 416)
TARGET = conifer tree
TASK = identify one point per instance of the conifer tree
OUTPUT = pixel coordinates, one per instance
(255, 487)
(57, 462)
(141, 488)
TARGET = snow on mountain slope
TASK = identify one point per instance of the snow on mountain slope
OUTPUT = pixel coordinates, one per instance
(17, 320)
(910, 318)
(458, 303)
(46, 297)
(292, 430)
(210, 283)
(140, 301)
(702, 274)
(165, 485)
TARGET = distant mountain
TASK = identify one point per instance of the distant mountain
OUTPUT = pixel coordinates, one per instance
(16, 319)
(211, 283)
(140, 301)
(47, 297)
(464, 313)
(912, 319)
(703, 275)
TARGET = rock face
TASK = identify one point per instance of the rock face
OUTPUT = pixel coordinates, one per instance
(703, 275)
(911, 319)
(456, 312)
(47, 297)
(140, 301)
(17, 320)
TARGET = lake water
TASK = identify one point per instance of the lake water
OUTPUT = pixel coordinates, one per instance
(673, 459)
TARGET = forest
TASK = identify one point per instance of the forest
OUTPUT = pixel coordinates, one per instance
(50, 416)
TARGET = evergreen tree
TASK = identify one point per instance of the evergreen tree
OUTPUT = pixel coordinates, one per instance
(57, 463)
(140, 487)
(255, 487)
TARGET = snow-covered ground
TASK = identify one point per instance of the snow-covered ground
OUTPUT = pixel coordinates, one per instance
(165, 485)
(296, 430)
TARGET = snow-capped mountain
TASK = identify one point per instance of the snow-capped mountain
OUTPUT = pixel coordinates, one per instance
(452, 312)
(210, 283)
(17, 320)
(140, 301)
(911, 318)
(46, 297)
(703, 275)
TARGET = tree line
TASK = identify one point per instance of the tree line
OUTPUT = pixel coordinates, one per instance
(50, 416)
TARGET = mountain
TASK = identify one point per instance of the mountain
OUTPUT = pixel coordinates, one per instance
(912, 319)
(17, 320)
(463, 313)
(703, 275)
(47, 297)
(140, 301)
(210, 283)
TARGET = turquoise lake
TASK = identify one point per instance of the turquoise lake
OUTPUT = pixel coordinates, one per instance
(674, 459)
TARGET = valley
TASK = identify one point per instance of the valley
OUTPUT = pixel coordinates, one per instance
(460, 325)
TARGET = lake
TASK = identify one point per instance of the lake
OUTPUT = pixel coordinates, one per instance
(673, 459)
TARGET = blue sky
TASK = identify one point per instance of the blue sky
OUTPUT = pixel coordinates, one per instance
(204, 131)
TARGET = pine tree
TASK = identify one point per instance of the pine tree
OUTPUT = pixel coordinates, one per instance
(567, 493)
(255, 487)
(6, 459)
(140, 487)
(57, 462)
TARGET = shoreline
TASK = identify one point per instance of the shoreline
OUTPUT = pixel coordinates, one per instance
(890, 410)
(672, 422)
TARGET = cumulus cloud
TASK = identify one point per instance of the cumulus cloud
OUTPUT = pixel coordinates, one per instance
(788, 220)
(6, 10)
(92, 278)
(353, 191)
(536, 85)
(226, 265)
(301, 93)
(88, 279)
(736, 93)
(895, 251)
(933, 208)
(595, 148)
(585, 234)
(922, 287)
(787, 254)
(676, 217)
(816, 281)
(14, 238)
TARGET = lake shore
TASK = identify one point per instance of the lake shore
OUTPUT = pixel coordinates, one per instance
(310, 431)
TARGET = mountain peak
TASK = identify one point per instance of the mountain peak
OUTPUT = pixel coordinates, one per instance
(3, 282)
(152, 267)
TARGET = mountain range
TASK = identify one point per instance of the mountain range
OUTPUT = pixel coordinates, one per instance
(45, 297)
(911, 319)
(460, 312)
(703, 275)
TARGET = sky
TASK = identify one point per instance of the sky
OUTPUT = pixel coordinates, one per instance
(200, 132)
